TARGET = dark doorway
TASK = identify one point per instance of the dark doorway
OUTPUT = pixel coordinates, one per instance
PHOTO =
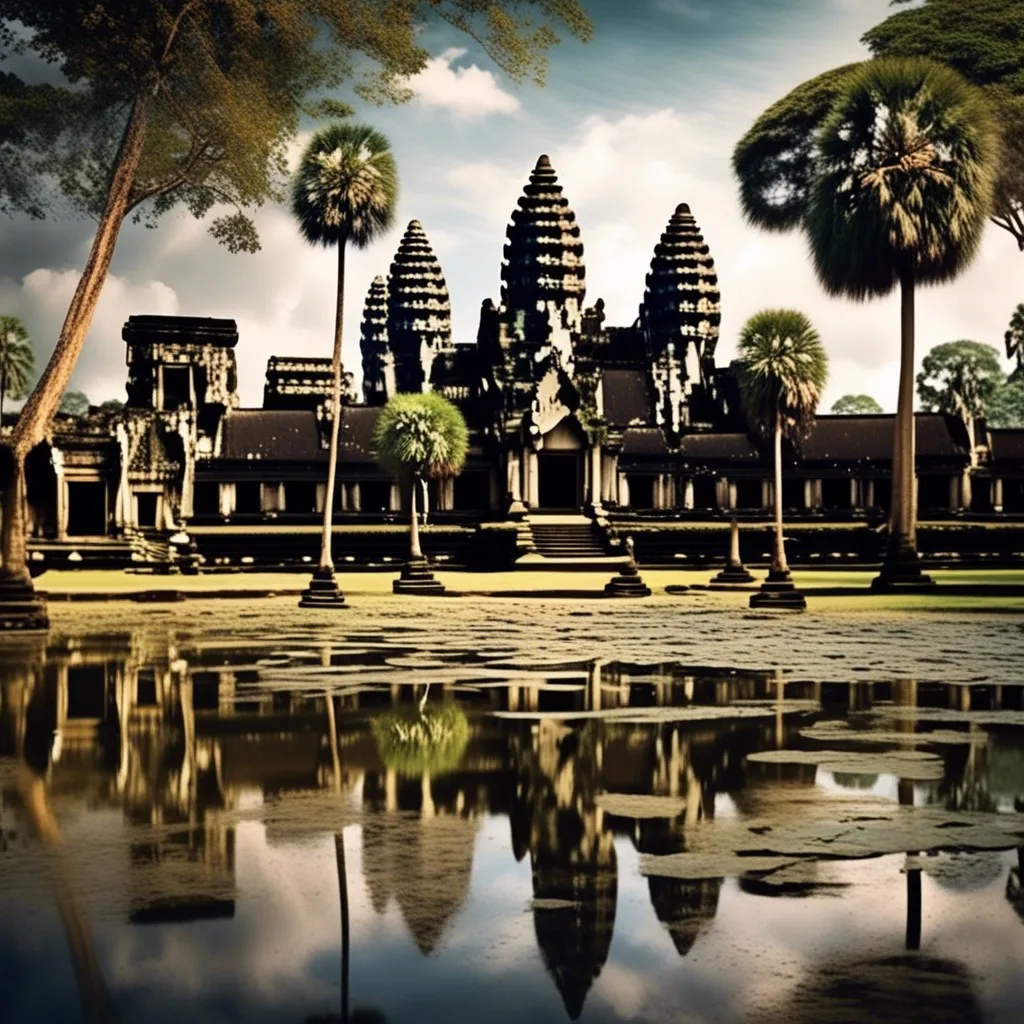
(933, 492)
(883, 495)
(835, 493)
(300, 496)
(559, 480)
(981, 494)
(248, 497)
(472, 491)
(1013, 495)
(177, 387)
(87, 691)
(374, 496)
(206, 500)
(641, 490)
(749, 494)
(145, 509)
(87, 509)
(794, 494)
(705, 492)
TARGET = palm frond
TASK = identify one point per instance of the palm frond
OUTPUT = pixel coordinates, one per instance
(908, 162)
(346, 187)
(17, 357)
(423, 434)
(782, 370)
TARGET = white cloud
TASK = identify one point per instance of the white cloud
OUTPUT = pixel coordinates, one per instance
(468, 92)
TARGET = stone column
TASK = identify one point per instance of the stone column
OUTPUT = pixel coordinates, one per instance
(395, 499)
(809, 501)
(227, 499)
(446, 494)
(188, 442)
(688, 492)
(855, 490)
(356, 499)
(57, 459)
(515, 481)
(953, 501)
(722, 492)
(123, 498)
(997, 493)
(731, 491)
(966, 489)
(532, 482)
(869, 495)
(767, 495)
(623, 490)
(610, 477)
(595, 475)
(321, 497)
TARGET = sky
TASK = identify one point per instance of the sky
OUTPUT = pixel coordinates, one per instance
(640, 119)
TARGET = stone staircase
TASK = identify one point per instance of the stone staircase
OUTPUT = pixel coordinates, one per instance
(566, 539)
(150, 551)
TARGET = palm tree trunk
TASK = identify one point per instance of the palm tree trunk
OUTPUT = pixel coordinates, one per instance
(339, 853)
(3, 392)
(779, 566)
(415, 552)
(42, 404)
(904, 534)
(326, 561)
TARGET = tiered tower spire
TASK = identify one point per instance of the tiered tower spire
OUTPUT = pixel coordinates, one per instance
(542, 276)
(419, 314)
(378, 363)
(682, 304)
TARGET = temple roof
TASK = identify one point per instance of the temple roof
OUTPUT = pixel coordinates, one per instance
(869, 438)
(180, 330)
(714, 447)
(418, 300)
(373, 339)
(1007, 444)
(644, 441)
(544, 254)
(286, 435)
(682, 300)
(626, 397)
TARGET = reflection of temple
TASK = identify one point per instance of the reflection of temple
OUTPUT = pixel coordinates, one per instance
(566, 413)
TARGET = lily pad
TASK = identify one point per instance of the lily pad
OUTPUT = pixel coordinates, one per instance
(628, 805)
(907, 764)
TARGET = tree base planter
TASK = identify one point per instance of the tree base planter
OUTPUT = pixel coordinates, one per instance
(417, 578)
(734, 574)
(628, 583)
(734, 571)
(901, 571)
(21, 608)
(322, 591)
(778, 593)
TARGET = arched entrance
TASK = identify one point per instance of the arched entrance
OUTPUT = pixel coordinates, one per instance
(560, 467)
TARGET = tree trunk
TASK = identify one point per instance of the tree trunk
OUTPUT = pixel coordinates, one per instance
(779, 566)
(904, 534)
(339, 851)
(14, 529)
(415, 552)
(326, 561)
(42, 404)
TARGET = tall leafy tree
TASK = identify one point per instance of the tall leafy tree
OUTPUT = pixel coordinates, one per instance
(855, 405)
(781, 372)
(192, 103)
(74, 403)
(983, 40)
(17, 360)
(1006, 407)
(907, 162)
(345, 192)
(419, 437)
(960, 377)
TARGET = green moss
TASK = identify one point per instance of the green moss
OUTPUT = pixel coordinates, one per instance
(415, 743)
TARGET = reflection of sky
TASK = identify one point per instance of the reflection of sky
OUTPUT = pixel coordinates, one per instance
(278, 959)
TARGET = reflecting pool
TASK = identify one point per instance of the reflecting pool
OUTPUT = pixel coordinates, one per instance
(467, 818)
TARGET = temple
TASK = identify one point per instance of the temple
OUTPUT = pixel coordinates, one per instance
(580, 431)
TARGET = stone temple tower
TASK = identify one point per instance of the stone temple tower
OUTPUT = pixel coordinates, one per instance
(419, 315)
(542, 275)
(681, 314)
(378, 362)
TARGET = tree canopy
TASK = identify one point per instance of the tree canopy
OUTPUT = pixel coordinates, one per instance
(17, 359)
(782, 371)
(983, 40)
(225, 82)
(960, 377)
(855, 405)
(74, 403)
(423, 435)
(1014, 339)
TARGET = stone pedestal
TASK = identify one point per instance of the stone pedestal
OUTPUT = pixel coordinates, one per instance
(734, 571)
(901, 570)
(21, 608)
(417, 578)
(778, 593)
(629, 583)
(322, 591)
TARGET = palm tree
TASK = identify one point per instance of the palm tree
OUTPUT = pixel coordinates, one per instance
(344, 193)
(17, 360)
(904, 186)
(1014, 339)
(781, 373)
(419, 436)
